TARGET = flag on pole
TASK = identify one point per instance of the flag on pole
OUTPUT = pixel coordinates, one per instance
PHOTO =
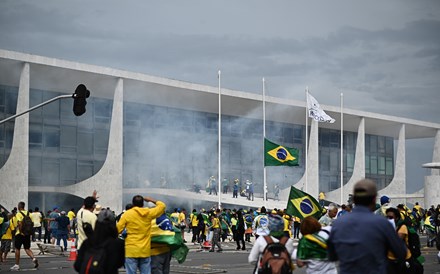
(301, 204)
(316, 112)
(277, 155)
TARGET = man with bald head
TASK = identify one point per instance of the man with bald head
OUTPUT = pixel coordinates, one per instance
(360, 240)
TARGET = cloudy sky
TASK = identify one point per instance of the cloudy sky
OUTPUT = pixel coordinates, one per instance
(383, 55)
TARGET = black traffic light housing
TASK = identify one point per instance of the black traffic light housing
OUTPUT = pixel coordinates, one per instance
(79, 99)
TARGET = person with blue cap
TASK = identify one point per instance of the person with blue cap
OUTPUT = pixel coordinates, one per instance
(385, 203)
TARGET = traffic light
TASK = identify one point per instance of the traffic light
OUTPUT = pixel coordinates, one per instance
(79, 99)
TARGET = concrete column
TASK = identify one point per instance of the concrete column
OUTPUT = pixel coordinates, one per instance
(359, 166)
(397, 187)
(15, 173)
(312, 166)
(108, 180)
(432, 182)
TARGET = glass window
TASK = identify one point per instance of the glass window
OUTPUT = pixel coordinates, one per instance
(85, 170)
(68, 169)
(350, 162)
(373, 144)
(68, 139)
(334, 161)
(367, 164)
(51, 172)
(11, 101)
(381, 144)
(51, 111)
(298, 133)
(373, 164)
(35, 167)
(389, 166)
(288, 135)
(325, 160)
(389, 146)
(85, 143)
(35, 137)
(51, 137)
(101, 141)
(381, 165)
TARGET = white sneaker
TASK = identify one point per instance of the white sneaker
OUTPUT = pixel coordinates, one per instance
(16, 267)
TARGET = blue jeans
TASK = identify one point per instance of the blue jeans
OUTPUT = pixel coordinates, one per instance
(132, 264)
(62, 236)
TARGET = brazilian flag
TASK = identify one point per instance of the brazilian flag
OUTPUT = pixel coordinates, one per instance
(301, 204)
(277, 155)
(163, 232)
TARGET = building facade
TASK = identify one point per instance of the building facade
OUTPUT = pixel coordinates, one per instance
(142, 132)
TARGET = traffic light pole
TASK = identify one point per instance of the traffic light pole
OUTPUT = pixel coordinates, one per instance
(35, 107)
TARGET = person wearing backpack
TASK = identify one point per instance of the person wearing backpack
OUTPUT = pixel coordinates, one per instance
(23, 236)
(273, 253)
(102, 252)
(312, 248)
(6, 236)
(411, 265)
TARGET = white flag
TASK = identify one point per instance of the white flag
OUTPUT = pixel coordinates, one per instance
(316, 112)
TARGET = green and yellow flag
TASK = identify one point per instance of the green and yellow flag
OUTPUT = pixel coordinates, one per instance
(301, 204)
(277, 155)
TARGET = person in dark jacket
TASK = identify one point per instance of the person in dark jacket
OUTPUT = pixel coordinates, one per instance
(105, 235)
(241, 227)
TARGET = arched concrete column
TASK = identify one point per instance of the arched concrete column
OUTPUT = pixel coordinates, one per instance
(312, 187)
(15, 173)
(432, 182)
(397, 187)
(359, 167)
(108, 180)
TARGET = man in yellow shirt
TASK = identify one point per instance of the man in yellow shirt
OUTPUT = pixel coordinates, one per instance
(137, 222)
(6, 239)
(216, 229)
(71, 215)
(194, 226)
(21, 239)
(86, 220)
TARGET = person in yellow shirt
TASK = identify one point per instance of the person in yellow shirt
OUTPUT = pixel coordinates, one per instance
(216, 229)
(137, 222)
(6, 239)
(194, 226)
(321, 198)
(182, 223)
(21, 239)
(395, 266)
(71, 215)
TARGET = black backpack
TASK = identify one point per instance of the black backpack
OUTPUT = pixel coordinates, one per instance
(94, 261)
(275, 258)
(27, 225)
(413, 242)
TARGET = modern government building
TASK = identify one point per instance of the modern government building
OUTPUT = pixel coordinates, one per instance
(142, 132)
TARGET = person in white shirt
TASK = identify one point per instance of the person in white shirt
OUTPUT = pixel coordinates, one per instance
(86, 220)
(276, 227)
(36, 219)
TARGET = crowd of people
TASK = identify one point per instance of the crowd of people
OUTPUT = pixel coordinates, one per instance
(362, 238)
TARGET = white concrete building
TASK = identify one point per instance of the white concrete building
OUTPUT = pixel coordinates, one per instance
(140, 131)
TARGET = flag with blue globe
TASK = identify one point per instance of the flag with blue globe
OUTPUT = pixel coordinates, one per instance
(278, 155)
(301, 204)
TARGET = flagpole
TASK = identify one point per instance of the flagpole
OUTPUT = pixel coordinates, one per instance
(264, 136)
(342, 148)
(219, 139)
(307, 139)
